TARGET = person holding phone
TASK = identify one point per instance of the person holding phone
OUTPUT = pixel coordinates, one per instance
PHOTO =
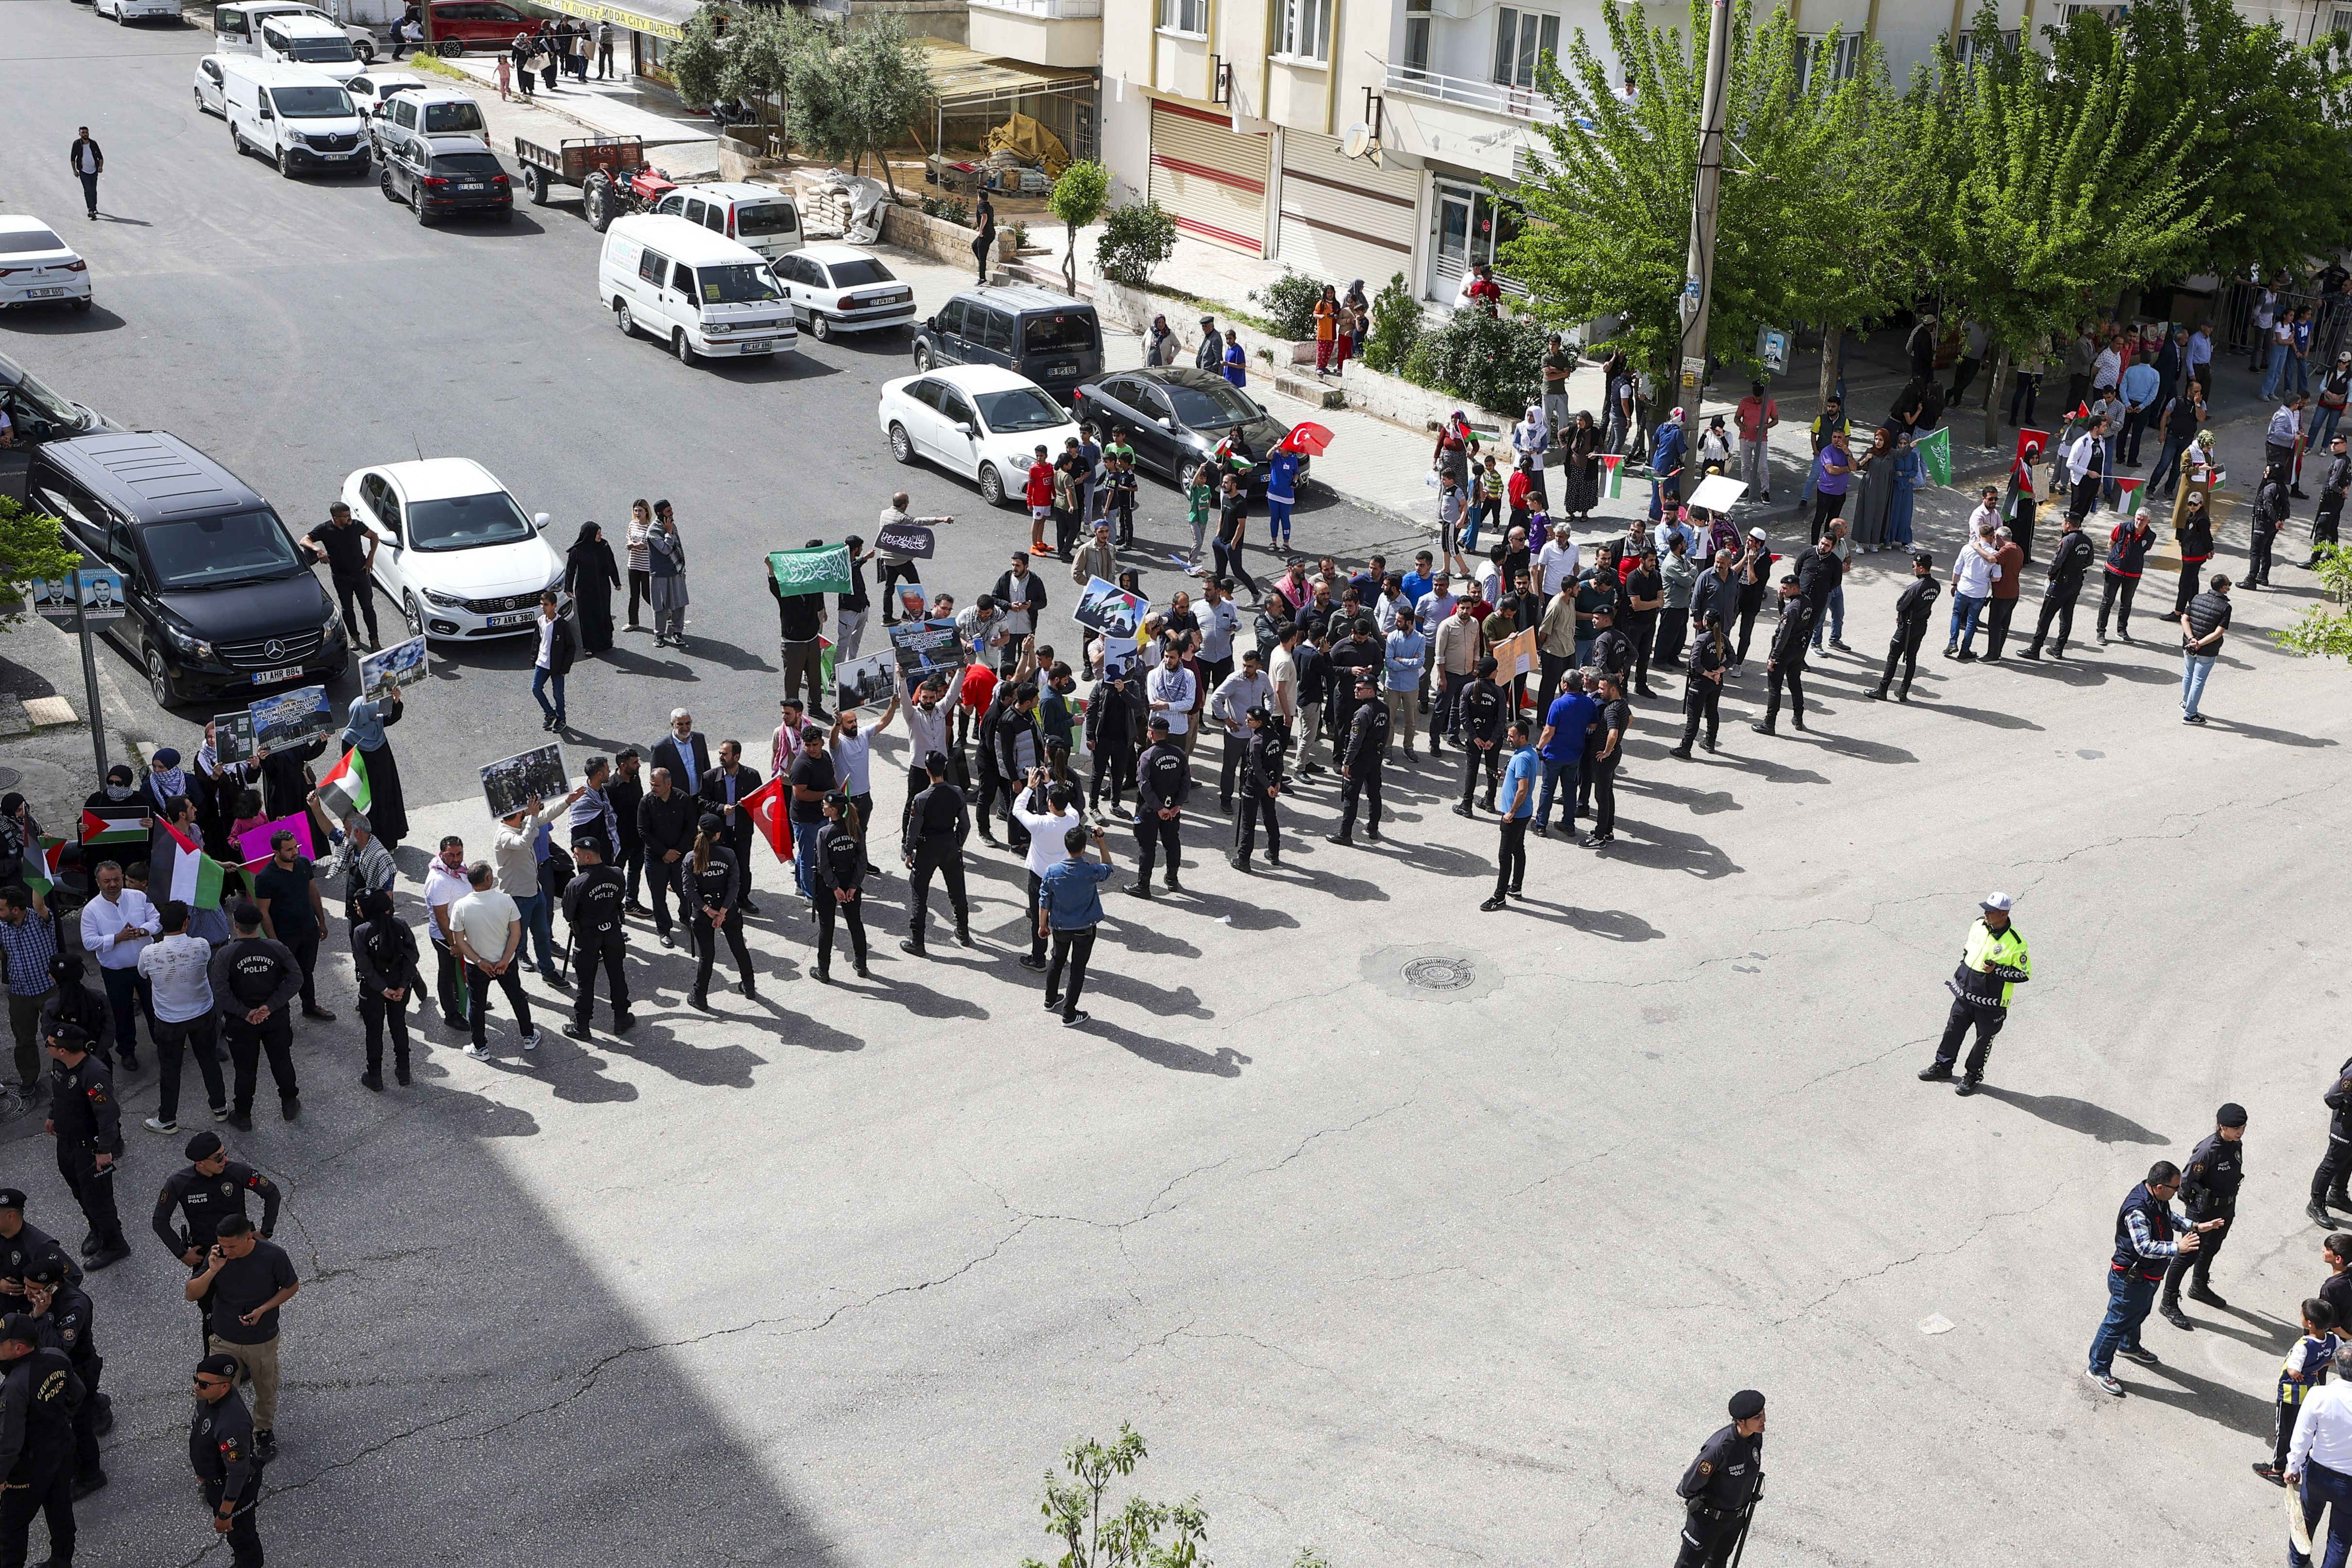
(1071, 909)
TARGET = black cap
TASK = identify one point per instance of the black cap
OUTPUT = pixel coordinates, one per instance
(711, 823)
(1159, 722)
(217, 1365)
(1923, 557)
(2231, 1115)
(935, 762)
(21, 1326)
(49, 1271)
(71, 1037)
(591, 841)
(1746, 1404)
(12, 1198)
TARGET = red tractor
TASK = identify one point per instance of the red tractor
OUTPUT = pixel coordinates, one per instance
(611, 172)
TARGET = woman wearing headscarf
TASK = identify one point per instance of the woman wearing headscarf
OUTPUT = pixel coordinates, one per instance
(167, 781)
(1581, 484)
(2194, 474)
(364, 729)
(224, 781)
(590, 575)
(1910, 474)
(1873, 489)
(1529, 437)
(1355, 315)
(1164, 348)
(1326, 328)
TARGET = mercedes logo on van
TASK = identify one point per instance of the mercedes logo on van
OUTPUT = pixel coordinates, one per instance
(273, 650)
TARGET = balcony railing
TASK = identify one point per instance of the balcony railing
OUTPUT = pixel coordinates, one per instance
(1051, 10)
(1467, 93)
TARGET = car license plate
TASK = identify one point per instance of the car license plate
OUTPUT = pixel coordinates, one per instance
(1063, 370)
(758, 346)
(334, 157)
(470, 185)
(271, 677)
(44, 293)
(518, 618)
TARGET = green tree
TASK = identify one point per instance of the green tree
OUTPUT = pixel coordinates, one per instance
(1805, 227)
(31, 547)
(2326, 629)
(760, 48)
(1136, 239)
(2038, 199)
(852, 93)
(1077, 199)
(1130, 1537)
(697, 61)
(1395, 326)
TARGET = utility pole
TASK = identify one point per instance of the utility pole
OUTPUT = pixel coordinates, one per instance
(1699, 276)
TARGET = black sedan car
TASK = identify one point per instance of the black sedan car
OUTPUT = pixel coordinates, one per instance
(1175, 419)
(445, 178)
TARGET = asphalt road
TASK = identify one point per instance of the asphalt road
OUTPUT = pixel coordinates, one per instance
(299, 330)
(1420, 1275)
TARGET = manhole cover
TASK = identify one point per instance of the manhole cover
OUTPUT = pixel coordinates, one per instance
(1438, 973)
(10, 778)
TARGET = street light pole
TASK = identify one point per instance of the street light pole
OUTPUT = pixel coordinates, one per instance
(1698, 277)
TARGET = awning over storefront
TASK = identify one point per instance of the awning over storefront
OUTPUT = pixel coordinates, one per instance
(659, 19)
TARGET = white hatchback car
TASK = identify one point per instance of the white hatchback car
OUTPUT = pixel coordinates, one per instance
(841, 289)
(982, 421)
(37, 267)
(454, 550)
(372, 89)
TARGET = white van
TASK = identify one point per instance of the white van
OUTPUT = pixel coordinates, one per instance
(697, 291)
(761, 216)
(301, 40)
(236, 25)
(294, 116)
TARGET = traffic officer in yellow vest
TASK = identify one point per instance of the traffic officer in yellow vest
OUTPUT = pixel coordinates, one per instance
(1992, 965)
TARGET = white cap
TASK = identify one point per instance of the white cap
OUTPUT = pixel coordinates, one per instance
(1996, 900)
(1755, 533)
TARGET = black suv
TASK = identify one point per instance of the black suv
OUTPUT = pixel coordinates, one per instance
(447, 179)
(1175, 417)
(220, 599)
(1052, 339)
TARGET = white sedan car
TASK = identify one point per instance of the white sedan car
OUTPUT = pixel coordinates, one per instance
(982, 421)
(454, 550)
(841, 289)
(37, 267)
(371, 89)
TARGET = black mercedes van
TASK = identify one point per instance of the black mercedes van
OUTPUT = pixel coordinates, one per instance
(221, 602)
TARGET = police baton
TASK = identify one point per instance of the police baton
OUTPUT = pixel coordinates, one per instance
(1740, 1545)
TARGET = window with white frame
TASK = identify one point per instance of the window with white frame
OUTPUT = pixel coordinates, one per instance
(1967, 50)
(2343, 22)
(1521, 38)
(1305, 29)
(1416, 34)
(1842, 62)
(1184, 15)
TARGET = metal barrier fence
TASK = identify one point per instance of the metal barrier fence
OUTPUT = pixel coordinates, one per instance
(2331, 322)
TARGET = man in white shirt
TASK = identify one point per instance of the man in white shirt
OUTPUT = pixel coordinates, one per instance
(116, 927)
(1558, 561)
(1221, 622)
(2319, 1461)
(1047, 829)
(445, 884)
(2284, 430)
(1988, 512)
(1172, 691)
(176, 968)
(2107, 370)
(514, 847)
(981, 628)
(930, 719)
(1245, 689)
(1436, 606)
(486, 928)
(2086, 468)
(1974, 570)
(1281, 674)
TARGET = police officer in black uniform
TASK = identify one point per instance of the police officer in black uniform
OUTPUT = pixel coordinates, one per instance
(38, 1396)
(384, 956)
(938, 821)
(1163, 777)
(23, 1246)
(2209, 1189)
(2327, 1183)
(1261, 784)
(1720, 1488)
(1913, 610)
(221, 1452)
(2070, 563)
(87, 1122)
(254, 979)
(1485, 711)
(1359, 763)
(68, 1322)
(1792, 639)
(592, 913)
(209, 1189)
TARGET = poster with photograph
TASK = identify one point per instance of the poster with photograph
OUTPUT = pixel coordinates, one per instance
(866, 680)
(233, 737)
(101, 596)
(508, 783)
(1108, 608)
(913, 604)
(253, 843)
(402, 664)
(292, 718)
(911, 540)
(927, 648)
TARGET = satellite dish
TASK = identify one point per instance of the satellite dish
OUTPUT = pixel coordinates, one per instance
(1356, 141)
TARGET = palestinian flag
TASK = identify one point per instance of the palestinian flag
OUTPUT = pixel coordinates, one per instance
(1934, 449)
(97, 829)
(193, 877)
(1613, 475)
(766, 806)
(44, 880)
(2124, 502)
(344, 791)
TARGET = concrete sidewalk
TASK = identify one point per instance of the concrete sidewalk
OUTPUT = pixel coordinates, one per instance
(620, 106)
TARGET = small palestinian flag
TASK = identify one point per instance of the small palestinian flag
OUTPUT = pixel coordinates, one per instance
(193, 877)
(2124, 502)
(97, 829)
(1934, 449)
(43, 880)
(1613, 475)
(344, 791)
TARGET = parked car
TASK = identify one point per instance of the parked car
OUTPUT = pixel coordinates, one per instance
(1050, 338)
(1176, 416)
(453, 549)
(372, 91)
(841, 289)
(125, 12)
(761, 217)
(447, 176)
(699, 293)
(980, 421)
(220, 600)
(236, 25)
(37, 414)
(292, 115)
(37, 267)
(434, 113)
(482, 26)
(301, 38)
(208, 86)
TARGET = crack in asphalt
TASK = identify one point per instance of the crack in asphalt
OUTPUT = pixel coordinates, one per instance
(1982, 1225)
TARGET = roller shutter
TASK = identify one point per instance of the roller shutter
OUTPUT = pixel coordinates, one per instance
(1342, 219)
(1210, 180)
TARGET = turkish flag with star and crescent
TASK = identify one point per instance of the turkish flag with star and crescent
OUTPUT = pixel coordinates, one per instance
(766, 806)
